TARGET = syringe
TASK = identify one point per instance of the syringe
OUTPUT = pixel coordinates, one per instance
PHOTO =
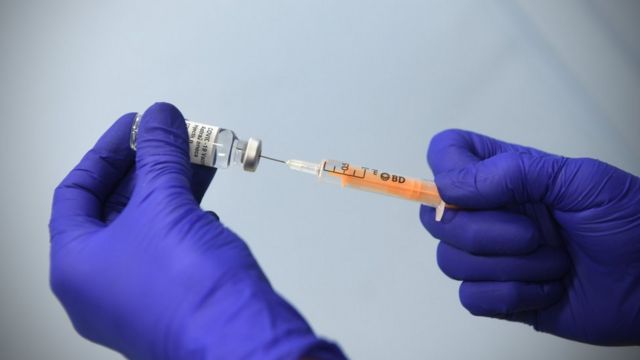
(370, 179)
(213, 146)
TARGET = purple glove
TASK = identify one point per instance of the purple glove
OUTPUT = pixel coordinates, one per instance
(545, 240)
(140, 268)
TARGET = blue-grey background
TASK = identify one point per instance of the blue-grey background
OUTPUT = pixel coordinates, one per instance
(365, 81)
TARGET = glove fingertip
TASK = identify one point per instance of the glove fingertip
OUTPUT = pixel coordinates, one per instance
(115, 141)
(471, 297)
(162, 113)
(454, 188)
(427, 216)
(162, 155)
(162, 131)
(448, 150)
(502, 299)
(484, 185)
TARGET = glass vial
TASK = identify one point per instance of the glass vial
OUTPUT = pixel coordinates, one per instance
(215, 147)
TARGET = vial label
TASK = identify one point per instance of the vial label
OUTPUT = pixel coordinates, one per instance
(201, 143)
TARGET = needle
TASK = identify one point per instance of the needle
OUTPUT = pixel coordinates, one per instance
(273, 159)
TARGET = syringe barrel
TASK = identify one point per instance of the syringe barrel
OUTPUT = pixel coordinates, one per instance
(374, 180)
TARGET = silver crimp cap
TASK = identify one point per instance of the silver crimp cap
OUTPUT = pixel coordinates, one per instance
(251, 156)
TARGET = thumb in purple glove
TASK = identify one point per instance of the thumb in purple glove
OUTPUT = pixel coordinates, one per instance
(550, 241)
(140, 268)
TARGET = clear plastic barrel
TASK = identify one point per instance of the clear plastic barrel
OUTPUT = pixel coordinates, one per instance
(363, 178)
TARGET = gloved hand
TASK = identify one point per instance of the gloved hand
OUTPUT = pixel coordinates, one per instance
(541, 239)
(140, 268)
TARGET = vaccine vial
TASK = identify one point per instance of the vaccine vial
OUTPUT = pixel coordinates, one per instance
(215, 147)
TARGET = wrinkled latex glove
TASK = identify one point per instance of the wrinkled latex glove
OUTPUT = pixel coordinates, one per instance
(546, 240)
(141, 269)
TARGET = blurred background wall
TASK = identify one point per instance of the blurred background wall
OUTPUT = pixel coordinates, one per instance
(365, 81)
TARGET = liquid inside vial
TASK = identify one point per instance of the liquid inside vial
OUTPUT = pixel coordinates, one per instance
(213, 146)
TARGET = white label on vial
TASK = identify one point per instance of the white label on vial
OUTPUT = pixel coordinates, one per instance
(201, 143)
